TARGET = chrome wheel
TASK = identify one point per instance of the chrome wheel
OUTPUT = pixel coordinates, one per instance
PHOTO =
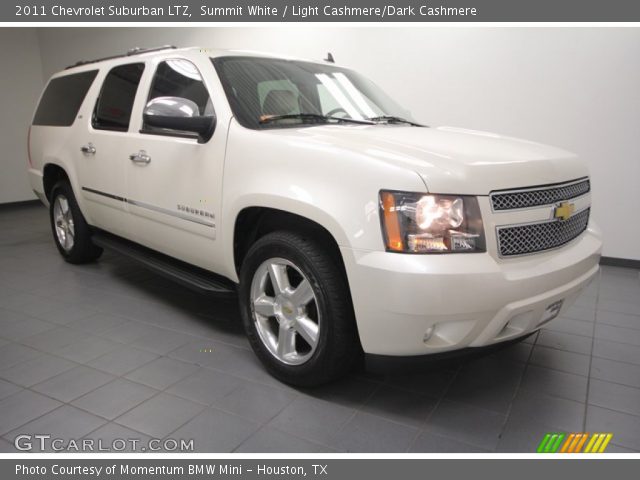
(63, 221)
(285, 311)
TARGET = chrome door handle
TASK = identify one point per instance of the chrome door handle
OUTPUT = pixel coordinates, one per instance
(140, 157)
(88, 149)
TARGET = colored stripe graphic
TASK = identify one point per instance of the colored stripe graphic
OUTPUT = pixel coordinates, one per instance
(596, 446)
(558, 442)
(606, 441)
(549, 446)
(543, 443)
(591, 443)
(565, 447)
(581, 443)
(577, 439)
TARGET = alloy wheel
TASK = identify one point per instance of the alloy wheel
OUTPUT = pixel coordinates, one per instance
(285, 311)
(63, 221)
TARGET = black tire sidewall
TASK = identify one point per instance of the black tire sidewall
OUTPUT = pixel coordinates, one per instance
(330, 306)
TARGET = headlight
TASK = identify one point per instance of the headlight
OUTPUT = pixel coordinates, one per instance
(421, 223)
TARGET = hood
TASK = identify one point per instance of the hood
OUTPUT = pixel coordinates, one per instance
(454, 160)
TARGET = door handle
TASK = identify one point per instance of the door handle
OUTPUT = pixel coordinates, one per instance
(140, 157)
(88, 149)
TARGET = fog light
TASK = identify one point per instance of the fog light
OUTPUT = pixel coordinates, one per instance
(428, 334)
(463, 241)
(426, 243)
(450, 241)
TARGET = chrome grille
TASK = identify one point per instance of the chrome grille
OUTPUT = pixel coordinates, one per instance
(537, 237)
(534, 197)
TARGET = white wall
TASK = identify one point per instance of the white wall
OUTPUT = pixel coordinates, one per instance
(577, 88)
(20, 84)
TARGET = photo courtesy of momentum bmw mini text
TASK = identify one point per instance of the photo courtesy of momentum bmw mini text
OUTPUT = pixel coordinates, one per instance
(319, 239)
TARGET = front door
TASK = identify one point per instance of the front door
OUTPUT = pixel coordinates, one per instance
(174, 182)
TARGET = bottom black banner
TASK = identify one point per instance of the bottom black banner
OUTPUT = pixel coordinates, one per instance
(322, 468)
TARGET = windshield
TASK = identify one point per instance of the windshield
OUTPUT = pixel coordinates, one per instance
(277, 93)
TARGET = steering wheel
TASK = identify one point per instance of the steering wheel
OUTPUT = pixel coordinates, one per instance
(333, 112)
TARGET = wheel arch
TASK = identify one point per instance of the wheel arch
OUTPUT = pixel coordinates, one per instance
(52, 173)
(253, 222)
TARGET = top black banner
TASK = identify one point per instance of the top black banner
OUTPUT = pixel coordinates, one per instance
(196, 11)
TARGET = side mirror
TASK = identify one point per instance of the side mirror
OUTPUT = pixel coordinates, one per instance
(179, 114)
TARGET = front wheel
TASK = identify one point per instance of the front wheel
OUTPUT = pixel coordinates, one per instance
(296, 309)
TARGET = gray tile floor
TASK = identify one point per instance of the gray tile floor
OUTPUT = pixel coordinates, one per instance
(109, 350)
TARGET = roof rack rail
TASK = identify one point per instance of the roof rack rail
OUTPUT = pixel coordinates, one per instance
(130, 52)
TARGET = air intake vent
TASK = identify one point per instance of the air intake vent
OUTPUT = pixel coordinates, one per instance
(537, 237)
(535, 197)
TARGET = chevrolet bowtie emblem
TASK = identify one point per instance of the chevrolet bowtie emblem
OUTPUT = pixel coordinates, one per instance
(564, 210)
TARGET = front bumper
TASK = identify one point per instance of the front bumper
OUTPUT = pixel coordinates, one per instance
(409, 305)
(391, 364)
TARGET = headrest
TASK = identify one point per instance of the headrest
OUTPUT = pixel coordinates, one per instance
(280, 102)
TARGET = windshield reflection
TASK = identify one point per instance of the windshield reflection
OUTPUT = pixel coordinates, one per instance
(277, 93)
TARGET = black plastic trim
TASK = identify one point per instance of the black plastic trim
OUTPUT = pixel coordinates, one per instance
(168, 133)
(620, 262)
(184, 273)
(415, 363)
(104, 194)
(21, 204)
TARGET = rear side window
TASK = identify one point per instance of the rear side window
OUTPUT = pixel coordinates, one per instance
(62, 99)
(114, 105)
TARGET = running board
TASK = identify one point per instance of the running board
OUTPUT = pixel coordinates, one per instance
(190, 276)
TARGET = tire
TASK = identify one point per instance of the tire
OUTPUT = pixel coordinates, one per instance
(301, 259)
(71, 233)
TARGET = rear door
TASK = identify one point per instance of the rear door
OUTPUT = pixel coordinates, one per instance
(101, 150)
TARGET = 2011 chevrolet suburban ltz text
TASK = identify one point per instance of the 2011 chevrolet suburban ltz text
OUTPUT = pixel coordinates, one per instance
(346, 227)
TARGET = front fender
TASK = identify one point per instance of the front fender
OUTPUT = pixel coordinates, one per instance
(328, 184)
(276, 202)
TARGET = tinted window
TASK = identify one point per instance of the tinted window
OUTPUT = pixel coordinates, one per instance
(113, 109)
(181, 78)
(62, 99)
(259, 88)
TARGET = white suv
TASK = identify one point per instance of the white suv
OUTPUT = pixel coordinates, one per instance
(345, 226)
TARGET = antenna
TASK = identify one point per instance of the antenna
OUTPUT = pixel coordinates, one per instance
(329, 58)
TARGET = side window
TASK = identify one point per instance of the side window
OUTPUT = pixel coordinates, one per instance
(114, 105)
(62, 99)
(181, 78)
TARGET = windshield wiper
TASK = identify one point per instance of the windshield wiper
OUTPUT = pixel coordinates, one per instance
(393, 119)
(313, 117)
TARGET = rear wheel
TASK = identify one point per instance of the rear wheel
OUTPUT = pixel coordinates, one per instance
(71, 233)
(296, 310)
